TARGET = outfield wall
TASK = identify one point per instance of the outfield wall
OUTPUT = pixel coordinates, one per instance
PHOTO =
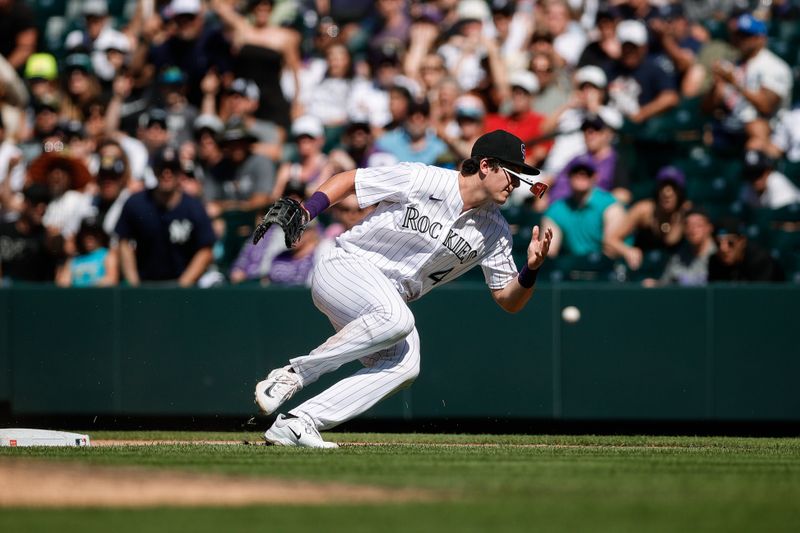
(722, 353)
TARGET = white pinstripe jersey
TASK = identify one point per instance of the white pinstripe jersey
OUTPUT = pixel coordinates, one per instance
(418, 236)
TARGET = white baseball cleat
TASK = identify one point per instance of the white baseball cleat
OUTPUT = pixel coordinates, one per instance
(279, 386)
(296, 432)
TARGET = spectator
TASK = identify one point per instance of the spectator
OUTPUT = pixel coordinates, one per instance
(738, 259)
(81, 86)
(207, 130)
(394, 24)
(171, 231)
(415, 141)
(583, 223)
(765, 186)
(45, 126)
(554, 83)
(467, 47)
(357, 146)
(785, 141)
(588, 98)
(95, 265)
(113, 178)
(11, 179)
(97, 38)
(241, 103)
(521, 120)
(66, 178)
(262, 51)
(311, 167)
(328, 99)
(370, 99)
(752, 91)
(154, 132)
(641, 87)
(41, 74)
(688, 266)
(27, 252)
(569, 39)
(242, 180)
(470, 114)
(17, 32)
(612, 174)
(13, 99)
(172, 98)
(655, 223)
(673, 33)
(195, 46)
(606, 49)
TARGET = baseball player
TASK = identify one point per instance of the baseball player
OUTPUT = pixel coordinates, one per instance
(430, 226)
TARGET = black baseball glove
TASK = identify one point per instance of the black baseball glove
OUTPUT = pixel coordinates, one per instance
(289, 215)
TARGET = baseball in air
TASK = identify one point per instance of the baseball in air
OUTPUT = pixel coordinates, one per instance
(571, 314)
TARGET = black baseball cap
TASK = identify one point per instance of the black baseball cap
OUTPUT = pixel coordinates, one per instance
(506, 148)
(167, 158)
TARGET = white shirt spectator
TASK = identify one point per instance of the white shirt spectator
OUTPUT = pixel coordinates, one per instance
(570, 142)
(108, 38)
(779, 193)
(786, 135)
(764, 70)
(66, 212)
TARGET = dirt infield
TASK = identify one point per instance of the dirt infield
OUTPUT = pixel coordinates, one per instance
(40, 484)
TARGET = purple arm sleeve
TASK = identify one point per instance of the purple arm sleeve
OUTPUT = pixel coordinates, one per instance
(315, 205)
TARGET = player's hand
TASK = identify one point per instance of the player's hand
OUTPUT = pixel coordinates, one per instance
(538, 248)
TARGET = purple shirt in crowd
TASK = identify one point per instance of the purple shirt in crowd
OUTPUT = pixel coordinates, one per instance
(606, 173)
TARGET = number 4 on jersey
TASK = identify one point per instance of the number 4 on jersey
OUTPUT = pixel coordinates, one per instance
(439, 276)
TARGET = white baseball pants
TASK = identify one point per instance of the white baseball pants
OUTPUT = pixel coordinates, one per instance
(373, 324)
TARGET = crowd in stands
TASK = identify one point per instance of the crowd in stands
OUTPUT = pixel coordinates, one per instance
(141, 140)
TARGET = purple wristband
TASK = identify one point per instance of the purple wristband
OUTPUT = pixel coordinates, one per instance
(527, 277)
(315, 205)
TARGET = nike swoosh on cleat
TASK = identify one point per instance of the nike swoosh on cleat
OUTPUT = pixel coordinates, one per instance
(296, 435)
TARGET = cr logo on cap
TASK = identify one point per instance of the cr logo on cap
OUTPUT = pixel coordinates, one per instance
(522, 147)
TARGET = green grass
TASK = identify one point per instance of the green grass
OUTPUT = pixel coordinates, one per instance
(576, 483)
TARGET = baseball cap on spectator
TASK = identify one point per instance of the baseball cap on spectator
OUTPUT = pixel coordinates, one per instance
(506, 148)
(37, 193)
(469, 106)
(72, 129)
(386, 55)
(246, 88)
(756, 163)
(671, 11)
(46, 104)
(111, 167)
(117, 42)
(41, 167)
(594, 122)
(473, 10)
(41, 67)
(525, 80)
(503, 7)
(172, 76)
(749, 25)
(234, 131)
(607, 12)
(308, 126)
(208, 122)
(421, 107)
(671, 174)
(592, 75)
(95, 8)
(154, 116)
(184, 7)
(632, 31)
(582, 162)
(166, 158)
(78, 61)
(729, 226)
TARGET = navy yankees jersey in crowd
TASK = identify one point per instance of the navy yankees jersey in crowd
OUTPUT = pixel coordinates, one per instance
(166, 239)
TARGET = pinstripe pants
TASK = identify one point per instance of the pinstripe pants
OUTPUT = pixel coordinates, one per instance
(373, 324)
